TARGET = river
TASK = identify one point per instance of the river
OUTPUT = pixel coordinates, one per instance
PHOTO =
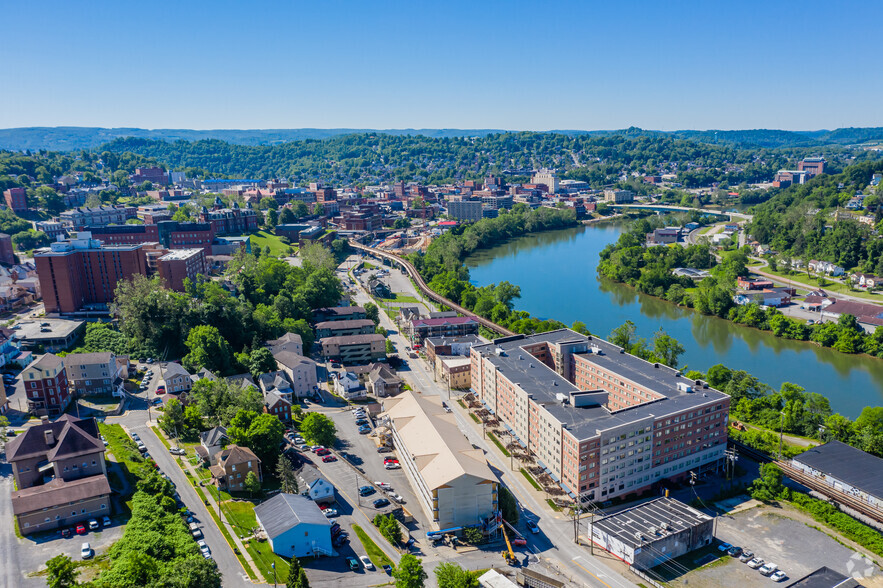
(557, 274)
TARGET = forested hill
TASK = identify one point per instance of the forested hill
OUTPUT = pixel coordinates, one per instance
(376, 157)
(76, 138)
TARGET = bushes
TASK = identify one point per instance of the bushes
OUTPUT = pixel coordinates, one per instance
(389, 528)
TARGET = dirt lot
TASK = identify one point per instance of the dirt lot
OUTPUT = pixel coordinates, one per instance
(783, 536)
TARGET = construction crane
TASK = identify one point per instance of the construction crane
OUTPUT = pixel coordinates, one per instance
(508, 555)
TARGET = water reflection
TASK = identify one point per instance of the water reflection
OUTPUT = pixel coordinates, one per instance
(557, 276)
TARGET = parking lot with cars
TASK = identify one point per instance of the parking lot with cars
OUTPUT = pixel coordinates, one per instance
(775, 543)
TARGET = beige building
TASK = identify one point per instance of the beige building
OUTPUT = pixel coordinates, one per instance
(619, 196)
(452, 480)
(93, 373)
(455, 372)
(354, 349)
(300, 371)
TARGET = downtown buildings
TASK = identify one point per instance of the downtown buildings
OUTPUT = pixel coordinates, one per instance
(602, 422)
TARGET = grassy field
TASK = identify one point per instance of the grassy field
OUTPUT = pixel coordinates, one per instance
(375, 554)
(264, 239)
(124, 450)
(530, 479)
(402, 298)
(263, 557)
(226, 534)
(241, 516)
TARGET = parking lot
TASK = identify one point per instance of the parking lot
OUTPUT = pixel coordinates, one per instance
(784, 538)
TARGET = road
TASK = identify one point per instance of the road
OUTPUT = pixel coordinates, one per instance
(555, 541)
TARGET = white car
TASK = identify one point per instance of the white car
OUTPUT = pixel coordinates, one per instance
(778, 576)
(768, 569)
(397, 497)
(203, 547)
(86, 551)
(755, 563)
(383, 485)
(330, 513)
(366, 562)
(392, 466)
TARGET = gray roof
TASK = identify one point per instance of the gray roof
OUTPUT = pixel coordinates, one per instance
(382, 372)
(543, 383)
(101, 357)
(825, 577)
(848, 464)
(353, 339)
(286, 338)
(213, 436)
(437, 341)
(173, 369)
(648, 516)
(285, 511)
(290, 359)
(309, 475)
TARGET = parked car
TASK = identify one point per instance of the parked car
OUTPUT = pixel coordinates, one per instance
(747, 555)
(330, 513)
(364, 430)
(323, 451)
(384, 449)
(93, 525)
(532, 525)
(397, 498)
(388, 569)
(66, 533)
(105, 522)
(329, 459)
(136, 437)
(768, 569)
(383, 485)
(366, 491)
(81, 529)
(366, 562)
(519, 541)
(340, 540)
(755, 563)
(160, 390)
(361, 422)
(734, 551)
(381, 502)
(203, 547)
(353, 563)
(724, 547)
(390, 460)
(316, 448)
(392, 466)
(778, 576)
(86, 551)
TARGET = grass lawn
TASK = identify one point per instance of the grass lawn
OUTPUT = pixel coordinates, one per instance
(552, 504)
(264, 239)
(375, 554)
(240, 514)
(530, 479)
(498, 443)
(226, 534)
(263, 557)
(474, 418)
(402, 298)
(162, 437)
(124, 450)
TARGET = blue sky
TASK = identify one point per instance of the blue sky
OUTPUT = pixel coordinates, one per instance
(446, 64)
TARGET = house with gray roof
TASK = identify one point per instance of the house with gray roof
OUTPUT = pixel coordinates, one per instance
(287, 342)
(301, 372)
(211, 442)
(295, 526)
(315, 485)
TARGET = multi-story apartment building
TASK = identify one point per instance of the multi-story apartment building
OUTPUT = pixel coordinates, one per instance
(454, 326)
(45, 385)
(604, 422)
(16, 199)
(339, 313)
(468, 210)
(155, 175)
(60, 474)
(81, 271)
(355, 349)
(547, 178)
(230, 221)
(619, 196)
(7, 255)
(176, 266)
(78, 219)
(169, 234)
(344, 328)
(93, 373)
(301, 371)
(287, 342)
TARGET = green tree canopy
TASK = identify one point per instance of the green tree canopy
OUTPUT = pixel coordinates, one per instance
(409, 573)
(208, 349)
(318, 429)
(61, 572)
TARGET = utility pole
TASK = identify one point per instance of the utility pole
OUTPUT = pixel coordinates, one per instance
(781, 427)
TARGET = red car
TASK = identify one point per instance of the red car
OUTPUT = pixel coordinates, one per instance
(390, 460)
(81, 529)
(328, 459)
(323, 506)
(323, 451)
(519, 542)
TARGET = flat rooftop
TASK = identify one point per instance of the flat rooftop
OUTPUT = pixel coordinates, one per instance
(648, 519)
(543, 384)
(846, 463)
(46, 328)
(179, 254)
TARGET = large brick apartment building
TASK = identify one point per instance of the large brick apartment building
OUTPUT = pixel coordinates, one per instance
(169, 234)
(230, 221)
(46, 387)
(604, 422)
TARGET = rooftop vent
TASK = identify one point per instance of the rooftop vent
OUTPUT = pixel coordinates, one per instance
(49, 436)
(499, 352)
(621, 350)
(656, 365)
(698, 382)
(596, 350)
(664, 526)
(684, 387)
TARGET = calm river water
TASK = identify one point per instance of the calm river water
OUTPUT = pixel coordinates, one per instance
(556, 273)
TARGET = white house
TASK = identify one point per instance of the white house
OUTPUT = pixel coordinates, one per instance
(348, 386)
(314, 485)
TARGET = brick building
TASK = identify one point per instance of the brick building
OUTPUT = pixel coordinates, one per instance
(155, 175)
(813, 166)
(45, 385)
(81, 272)
(454, 326)
(16, 199)
(178, 265)
(7, 255)
(230, 221)
(605, 423)
(78, 219)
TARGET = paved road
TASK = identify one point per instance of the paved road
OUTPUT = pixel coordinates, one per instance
(134, 421)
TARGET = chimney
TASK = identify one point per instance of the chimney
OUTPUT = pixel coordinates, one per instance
(44, 420)
(50, 437)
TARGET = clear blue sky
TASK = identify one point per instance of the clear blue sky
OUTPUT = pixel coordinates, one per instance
(662, 64)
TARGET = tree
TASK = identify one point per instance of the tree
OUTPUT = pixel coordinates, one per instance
(252, 484)
(473, 535)
(667, 348)
(4, 424)
(61, 572)
(267, 203)
(451, 575)
(318, 256)
(580, 327)
(30, 239)
(372, 312)
(409, 573)
(390, 348)
(208, 349)
(297, 577)
(172, 420)
(768, 487)
(318, 429)
(261, 361)
(508, 505)
(286, 476)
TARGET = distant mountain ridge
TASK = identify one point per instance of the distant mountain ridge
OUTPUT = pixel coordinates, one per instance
(76, 138)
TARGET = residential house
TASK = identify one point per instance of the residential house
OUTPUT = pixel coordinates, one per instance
(60, 474)
(663, 236)
(766, 297)
(383, 382)
(277, 405)
(93, 373)
(295, 527)
(211, 442)
(232, 467)
(242, 380)
(202, 374)
(175, 377)
(46, 387)
(825, 267)
(275, 383)
(348, 386)
(287, 342)
(455, 372)
(11, 352)
(314, 485)
(301, 372)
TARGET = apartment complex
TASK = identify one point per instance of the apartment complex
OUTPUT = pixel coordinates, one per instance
(619, 196)
(453, 326)
(181, 264)
(16, 199)
(339, 313)
(354, 349)
(467, 210)
(230, 221)
(603, 422)
(60, 474)
(452, 480)
(93, 373)
(78, 219)
(301, 372)
(45, 385)
(7, 255)
(812, 165)
(344, 328)
(81, 272)
(168, 233)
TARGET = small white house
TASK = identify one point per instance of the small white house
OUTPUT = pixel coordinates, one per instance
(349, 386)
(314, 485)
